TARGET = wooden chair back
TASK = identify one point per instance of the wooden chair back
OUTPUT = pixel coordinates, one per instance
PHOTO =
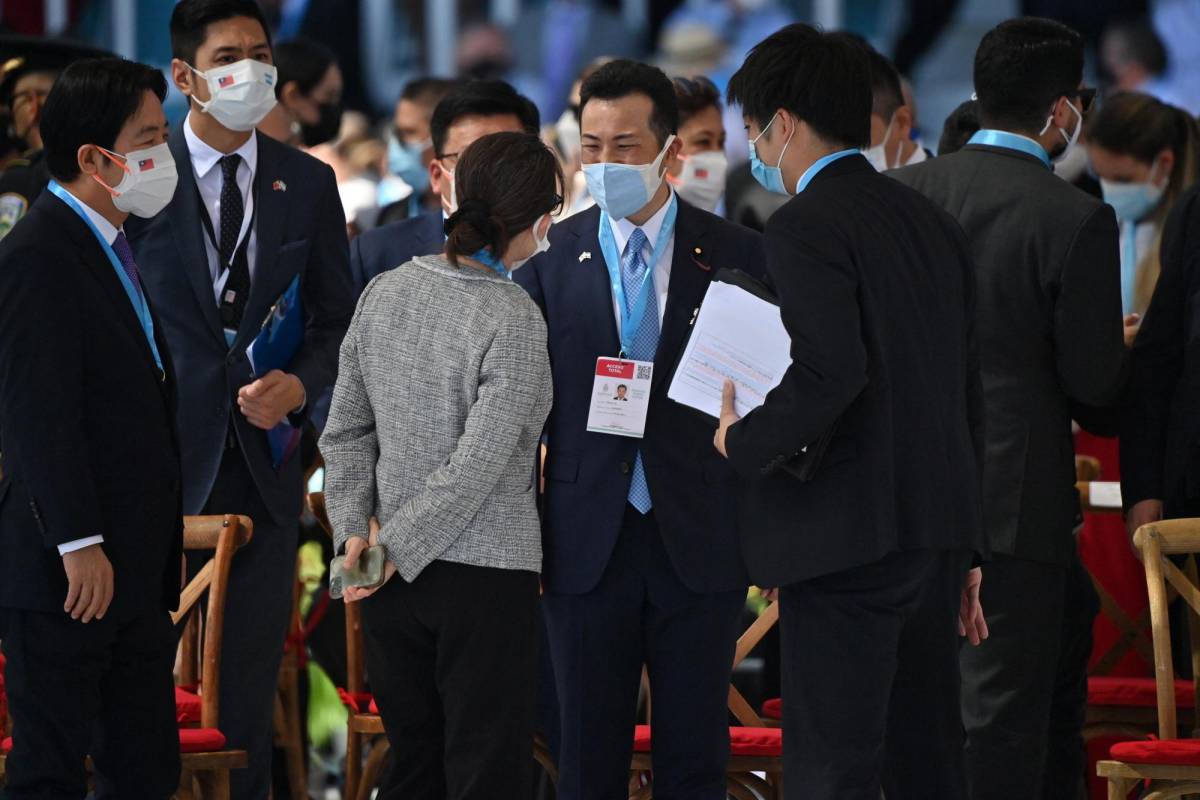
(355, 659)
(200, 645)
(742, 710)
(1157, 542)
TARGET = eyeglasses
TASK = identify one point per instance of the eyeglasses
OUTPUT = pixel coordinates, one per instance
(29, 96)
(449, 160)
(1087, 98)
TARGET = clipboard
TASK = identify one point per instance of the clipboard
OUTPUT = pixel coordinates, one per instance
(803, 467)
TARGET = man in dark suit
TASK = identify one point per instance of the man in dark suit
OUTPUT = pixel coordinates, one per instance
(1050, 334)
(251, 218)
(1160, 466)
(872, 553)
(90, 507)
(641, 563)
(465, 114)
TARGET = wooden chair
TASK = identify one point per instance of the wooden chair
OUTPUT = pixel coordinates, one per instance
(755, 748)
(288, 723)
(1169, 766)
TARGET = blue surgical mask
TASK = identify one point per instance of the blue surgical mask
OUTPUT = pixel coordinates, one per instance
(404, 161)
(621, 189)
(770, 178)
(1133, 201)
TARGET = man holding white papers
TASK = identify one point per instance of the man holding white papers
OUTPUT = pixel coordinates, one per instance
(872, 554)
(641, 561)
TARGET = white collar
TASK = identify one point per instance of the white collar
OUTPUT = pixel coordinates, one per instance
(106, 229)
(623, 228)
(205, 157)
(917, 157)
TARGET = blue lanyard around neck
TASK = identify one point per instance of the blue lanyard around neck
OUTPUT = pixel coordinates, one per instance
(631, 318)
(820, 164)
(1012, 141)
(140, 308)
(484, 256)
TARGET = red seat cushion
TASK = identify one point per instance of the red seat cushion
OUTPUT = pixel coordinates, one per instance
(187, 707)
(6, 745)
(1173, 752)
(200, 740)
(360, 703)
(773, 708)
(742, 741)
(374, 709)
(1104, 690)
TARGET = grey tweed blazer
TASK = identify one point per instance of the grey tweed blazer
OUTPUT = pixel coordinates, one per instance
(442, 392)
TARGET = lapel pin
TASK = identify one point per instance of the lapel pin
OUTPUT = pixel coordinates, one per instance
(697, 252)
(279, 186)
(586, 255)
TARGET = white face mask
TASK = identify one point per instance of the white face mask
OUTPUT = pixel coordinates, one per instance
(877, 155)
(1071, 138)
(149, 181)
(702, 181)
(241, 94)
(540, 245)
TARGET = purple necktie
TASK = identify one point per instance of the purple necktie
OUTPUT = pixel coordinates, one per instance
(121, 247)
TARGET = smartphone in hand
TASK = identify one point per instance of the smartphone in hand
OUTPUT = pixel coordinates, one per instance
(367, 573)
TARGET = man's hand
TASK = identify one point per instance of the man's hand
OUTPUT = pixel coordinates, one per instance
(1142, 513)
(90, 583)
(971, 622)
(354, 549)
(1133, 323)
(267, 401)
(729, 416)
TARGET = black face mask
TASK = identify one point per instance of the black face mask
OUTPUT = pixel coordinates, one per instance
(326, 128)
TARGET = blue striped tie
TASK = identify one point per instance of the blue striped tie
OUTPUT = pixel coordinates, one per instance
(643, 346)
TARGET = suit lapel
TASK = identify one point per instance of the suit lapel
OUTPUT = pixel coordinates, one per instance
(271, 216)
(689, 281)
(184, 216)
(585, 268)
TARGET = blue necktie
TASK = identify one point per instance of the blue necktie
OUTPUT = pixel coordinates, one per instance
(643, 346)
(124, 253)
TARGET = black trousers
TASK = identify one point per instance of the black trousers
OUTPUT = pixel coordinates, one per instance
(451, 658)
(104, 689)
(641, 613)
(1025, 688)
(257, 609)
(870, 681)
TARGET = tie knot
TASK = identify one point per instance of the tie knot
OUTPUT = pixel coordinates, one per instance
(637, 240)
(229, 165)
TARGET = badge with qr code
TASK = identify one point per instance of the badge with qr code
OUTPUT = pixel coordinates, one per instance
(620, 397)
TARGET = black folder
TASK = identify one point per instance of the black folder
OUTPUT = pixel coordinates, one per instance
(804, 465)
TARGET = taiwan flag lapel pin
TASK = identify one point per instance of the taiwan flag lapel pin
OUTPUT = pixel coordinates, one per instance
(586, 255)
(279, 186)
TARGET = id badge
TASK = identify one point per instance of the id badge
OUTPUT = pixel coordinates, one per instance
(620, 397)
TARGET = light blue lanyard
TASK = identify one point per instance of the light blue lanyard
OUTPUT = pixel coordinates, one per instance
(820, 164)
(135, 297)
(1129, 265)
(631, 318)
(1012, 141)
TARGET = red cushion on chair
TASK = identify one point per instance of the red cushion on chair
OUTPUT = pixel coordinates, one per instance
(360, 703)
(1140, 692)
(374, 709)
(773, 708)
(187, 707)
(6, 745)
(742, 741)
(200, 740)
(1174, 752)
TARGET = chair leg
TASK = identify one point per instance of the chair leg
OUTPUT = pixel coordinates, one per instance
(214, 784)
(186, 790)
(374, 769)
(1119, 788)
(293, 734)
(354, 742)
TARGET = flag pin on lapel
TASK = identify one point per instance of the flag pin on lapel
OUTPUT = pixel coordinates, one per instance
(279, 186)
(586, 255)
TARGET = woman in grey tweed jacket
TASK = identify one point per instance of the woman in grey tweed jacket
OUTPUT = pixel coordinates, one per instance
(443, 389)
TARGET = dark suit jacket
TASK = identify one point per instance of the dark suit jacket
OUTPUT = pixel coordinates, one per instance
(396, 243)
(88, 422)
(876, 291)
(301, 231)
(588, 474)
(1160, 437)
(1049, 321)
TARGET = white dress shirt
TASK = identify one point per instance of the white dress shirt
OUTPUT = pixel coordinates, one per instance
(109, 234)
(207, 169)
(622, 229)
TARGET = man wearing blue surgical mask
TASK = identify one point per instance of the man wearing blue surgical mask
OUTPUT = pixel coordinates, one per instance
(405, 191)
(642, 564)
(255, 231)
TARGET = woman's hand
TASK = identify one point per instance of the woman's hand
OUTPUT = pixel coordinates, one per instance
(354, 549)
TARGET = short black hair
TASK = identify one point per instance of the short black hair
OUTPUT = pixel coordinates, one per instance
(823, 79)
(887, 95)
(960, 126)
(303, 62)
(693, 95)
(90, 102)
(1022, 67)
(623, 77)
(191, 18)
(428, 92)
(483, 99)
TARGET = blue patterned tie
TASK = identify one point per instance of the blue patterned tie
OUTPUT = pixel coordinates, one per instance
(643, 346)
(121, 247)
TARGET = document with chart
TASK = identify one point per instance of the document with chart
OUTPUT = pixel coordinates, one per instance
(738, 334)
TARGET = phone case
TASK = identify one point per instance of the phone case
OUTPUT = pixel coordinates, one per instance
(367, 574)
